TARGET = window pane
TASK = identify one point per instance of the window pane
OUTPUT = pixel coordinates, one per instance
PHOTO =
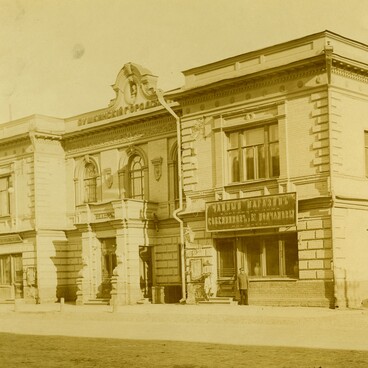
(233, 140)
(291, 256)
(234, 166)
(274, 160)
(272, 257)
(90, 183)
(226, 259)
(249, 163)
(254, 136)
(254, 258)
(18, 269)
(7, 270)
(137, 178)
(4, 197)
(261, 162)
(273, 133)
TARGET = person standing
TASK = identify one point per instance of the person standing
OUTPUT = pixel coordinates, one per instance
(242, 284)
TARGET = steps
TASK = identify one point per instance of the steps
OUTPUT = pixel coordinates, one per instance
(97, 301)
(223, 300)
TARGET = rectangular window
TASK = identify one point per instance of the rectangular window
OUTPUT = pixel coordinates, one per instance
(4, 196)
(11, 269)
(272, 256)
(226, 258)
(253, 153)
(366, 152)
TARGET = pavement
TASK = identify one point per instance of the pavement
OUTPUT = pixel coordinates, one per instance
(229, 324)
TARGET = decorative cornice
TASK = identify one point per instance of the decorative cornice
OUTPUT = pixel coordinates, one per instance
(119, 135)
(243, 84)
(349, 73)
(14, 140)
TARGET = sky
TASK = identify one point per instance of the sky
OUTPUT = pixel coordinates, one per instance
(60, 57)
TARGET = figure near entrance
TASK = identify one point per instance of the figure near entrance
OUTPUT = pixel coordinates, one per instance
(242, 285)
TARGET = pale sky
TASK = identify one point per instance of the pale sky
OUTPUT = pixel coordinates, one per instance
(60, 57)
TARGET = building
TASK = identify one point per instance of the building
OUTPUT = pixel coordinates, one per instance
(87, 202)
(270, 174)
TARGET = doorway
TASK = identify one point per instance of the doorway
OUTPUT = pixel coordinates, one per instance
(226, 267)
(108, 263)
(145, 271)
(11, 276)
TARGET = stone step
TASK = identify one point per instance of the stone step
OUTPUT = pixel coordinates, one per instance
(218, 300)
(97, 302)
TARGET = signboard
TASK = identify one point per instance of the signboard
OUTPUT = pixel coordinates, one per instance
(252, 213)
(7, 239)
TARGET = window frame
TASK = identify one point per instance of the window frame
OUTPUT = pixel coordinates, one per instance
(230, 244)
(141, 194)
(10, 261)
(5, 193)
(264, 250)
(240, 148)
(90, 182)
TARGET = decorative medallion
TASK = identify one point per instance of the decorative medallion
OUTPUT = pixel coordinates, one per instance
(198, 128)
(157, 167)
(108, 177)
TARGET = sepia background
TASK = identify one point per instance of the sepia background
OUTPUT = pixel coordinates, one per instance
(58, 57)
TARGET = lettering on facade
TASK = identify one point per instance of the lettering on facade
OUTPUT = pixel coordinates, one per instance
(118, 112)
(105, 215)
(252, 213)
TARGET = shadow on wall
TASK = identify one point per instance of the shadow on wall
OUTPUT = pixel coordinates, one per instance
(67, 269)
(347, 292)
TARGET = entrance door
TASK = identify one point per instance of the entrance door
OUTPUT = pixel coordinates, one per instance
(226, 267)
(108, 260)
(11, 276)
(145, 271)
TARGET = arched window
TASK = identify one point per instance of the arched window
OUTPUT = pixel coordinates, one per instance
(90, 183)
(136, 177)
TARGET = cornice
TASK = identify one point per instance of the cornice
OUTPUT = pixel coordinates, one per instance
(350, 70)
(119, 135)
(245, 83)
(14, 140)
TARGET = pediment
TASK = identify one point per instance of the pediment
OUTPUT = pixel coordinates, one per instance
(135, 88)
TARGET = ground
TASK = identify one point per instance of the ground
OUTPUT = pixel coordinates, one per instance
(182, 337)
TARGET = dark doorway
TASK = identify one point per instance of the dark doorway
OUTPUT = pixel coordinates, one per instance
(145, 271)
(108, 259)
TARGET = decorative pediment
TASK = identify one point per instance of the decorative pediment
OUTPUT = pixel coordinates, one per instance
(135, 88)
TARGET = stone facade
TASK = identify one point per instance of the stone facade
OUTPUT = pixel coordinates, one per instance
(88, 203)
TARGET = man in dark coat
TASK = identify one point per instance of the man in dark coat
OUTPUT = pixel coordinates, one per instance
(242, 284)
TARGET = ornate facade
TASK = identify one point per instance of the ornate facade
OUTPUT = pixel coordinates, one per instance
(271, 162)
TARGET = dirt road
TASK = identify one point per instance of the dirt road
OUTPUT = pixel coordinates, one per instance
(238, 325)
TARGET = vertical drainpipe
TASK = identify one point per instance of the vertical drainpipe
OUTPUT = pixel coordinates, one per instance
(162, 101)
(328, 50)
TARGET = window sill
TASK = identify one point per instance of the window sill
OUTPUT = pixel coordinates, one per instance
(250, 182)
(269, 278)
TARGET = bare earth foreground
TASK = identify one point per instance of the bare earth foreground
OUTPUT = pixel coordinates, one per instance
(181, 336)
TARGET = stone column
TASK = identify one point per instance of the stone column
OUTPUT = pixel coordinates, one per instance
(125, 281)
(85, 283)
(119, 291)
